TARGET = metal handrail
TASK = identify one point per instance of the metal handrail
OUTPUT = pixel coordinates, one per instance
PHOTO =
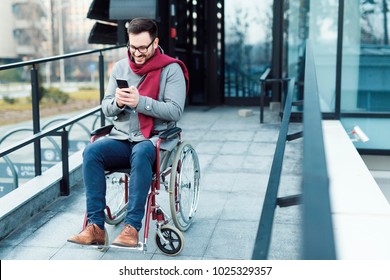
(9, 161)
(264, 80)
(263, 238)
(57, 148)
(54, 131)
(58, 130)
(54, 58)
(318, 239)
(46, 132)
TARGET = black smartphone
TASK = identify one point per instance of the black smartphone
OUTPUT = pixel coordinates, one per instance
(122, 83)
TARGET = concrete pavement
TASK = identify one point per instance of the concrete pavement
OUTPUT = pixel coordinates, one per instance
(235, 154)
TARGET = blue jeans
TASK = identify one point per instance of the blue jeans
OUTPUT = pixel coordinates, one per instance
(110, 153)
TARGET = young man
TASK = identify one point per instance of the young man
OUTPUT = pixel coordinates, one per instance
(153, 102)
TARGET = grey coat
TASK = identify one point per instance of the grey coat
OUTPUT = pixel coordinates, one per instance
(166, 111)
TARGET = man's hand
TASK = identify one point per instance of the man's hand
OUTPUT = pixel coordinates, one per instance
(127, 96)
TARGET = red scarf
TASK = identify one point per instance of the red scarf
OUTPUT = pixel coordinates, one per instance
(151, 85)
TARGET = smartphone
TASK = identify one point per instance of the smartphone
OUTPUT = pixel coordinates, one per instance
(122, 83)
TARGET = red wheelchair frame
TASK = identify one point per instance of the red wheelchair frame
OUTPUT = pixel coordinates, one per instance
(179, 172)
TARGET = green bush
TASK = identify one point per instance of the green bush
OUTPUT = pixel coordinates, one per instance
(9, 100)
(56, 95)
(87, 88)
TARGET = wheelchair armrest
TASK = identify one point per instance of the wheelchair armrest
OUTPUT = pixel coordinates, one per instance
(102, 130)
(170, 133)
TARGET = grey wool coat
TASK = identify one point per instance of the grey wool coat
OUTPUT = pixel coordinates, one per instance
(166, 111)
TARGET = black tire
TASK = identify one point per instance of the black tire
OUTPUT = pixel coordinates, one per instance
(175, 240)
(184, 186)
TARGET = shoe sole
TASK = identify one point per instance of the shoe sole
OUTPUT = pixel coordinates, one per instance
(125, 245)
(93, 243)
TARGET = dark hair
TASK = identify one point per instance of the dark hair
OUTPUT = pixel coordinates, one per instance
(139, 25)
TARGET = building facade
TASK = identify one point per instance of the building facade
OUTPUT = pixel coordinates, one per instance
(42, 28)
(23, 32)
(350, 41)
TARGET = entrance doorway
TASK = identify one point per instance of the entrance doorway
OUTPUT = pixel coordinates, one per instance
(199, 43)
(248, 49)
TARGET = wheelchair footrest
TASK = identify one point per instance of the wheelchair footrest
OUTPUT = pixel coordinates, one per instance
(141, 247)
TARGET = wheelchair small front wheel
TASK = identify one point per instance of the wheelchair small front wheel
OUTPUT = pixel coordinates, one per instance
(174, 240)
(184, 186)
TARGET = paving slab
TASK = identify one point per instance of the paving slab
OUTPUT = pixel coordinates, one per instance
(235, 154)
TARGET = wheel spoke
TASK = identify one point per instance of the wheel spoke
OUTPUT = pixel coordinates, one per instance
(174, 240)
(116, 197)
(184, 186)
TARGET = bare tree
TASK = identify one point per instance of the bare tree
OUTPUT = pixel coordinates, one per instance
(370, 9)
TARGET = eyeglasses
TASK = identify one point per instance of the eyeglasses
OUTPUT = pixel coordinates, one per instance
(141, 49)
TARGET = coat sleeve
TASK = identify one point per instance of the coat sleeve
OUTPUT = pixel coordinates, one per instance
(172, 96)
(109, 106)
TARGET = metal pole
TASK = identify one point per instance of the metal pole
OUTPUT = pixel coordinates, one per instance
(339, 59)
(64, 188)
(36, 119)
(262, 96)
(61, 45)
(277, 48)
(101, 85)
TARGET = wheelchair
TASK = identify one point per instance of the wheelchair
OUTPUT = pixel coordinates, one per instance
(178, 172)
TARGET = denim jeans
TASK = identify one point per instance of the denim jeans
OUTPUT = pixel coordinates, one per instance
(110, 153)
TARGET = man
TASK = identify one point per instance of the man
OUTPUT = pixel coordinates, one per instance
(153, 102)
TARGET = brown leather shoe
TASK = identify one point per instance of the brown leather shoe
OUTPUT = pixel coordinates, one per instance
(91, 235)
(127, 238)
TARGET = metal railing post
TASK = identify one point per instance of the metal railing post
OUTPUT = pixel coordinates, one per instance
(65, 188)
(263, 84)
(36, 119)
(262, 97)
(236, 82)
(101, 86)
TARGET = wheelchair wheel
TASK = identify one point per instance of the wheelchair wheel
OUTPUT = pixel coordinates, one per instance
(184, 186)
(175, 240)
(106, 243)
(116, 197)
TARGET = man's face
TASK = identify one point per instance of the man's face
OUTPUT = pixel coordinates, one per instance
(142, 47)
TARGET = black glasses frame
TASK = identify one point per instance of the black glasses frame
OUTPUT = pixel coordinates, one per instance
(141, 49)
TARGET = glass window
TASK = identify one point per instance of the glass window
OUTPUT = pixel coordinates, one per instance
(248, 45)
(365, 85)
(366, 58)
(365, 82)
(317, 21)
